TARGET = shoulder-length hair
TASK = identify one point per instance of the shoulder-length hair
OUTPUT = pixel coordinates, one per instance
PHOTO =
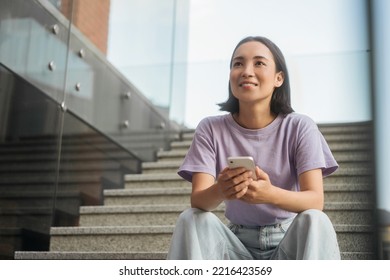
(281, 100)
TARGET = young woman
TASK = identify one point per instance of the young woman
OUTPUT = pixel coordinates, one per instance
(279, 215)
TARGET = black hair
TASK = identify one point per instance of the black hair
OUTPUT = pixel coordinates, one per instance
(281, 100)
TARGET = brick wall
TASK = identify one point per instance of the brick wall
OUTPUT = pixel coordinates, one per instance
(91, 17)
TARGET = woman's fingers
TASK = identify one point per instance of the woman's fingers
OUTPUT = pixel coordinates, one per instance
(261, 175)
(234, 182)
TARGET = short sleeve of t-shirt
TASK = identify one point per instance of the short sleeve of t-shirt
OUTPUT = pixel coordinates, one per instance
(311, 150)
(201, 156)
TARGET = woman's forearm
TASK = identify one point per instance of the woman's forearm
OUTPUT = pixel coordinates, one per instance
(206, 199)
(310, 196)
(297, 201)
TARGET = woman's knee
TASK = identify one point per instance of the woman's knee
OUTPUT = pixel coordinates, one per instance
(314, 216)
(195, 215)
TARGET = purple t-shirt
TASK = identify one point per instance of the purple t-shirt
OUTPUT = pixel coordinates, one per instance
(287, 147)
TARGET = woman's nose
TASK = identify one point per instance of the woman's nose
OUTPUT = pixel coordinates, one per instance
(247, 71)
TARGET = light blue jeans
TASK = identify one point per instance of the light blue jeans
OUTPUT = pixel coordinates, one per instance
(202, 235)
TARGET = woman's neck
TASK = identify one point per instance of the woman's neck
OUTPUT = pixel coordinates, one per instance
(254, 120)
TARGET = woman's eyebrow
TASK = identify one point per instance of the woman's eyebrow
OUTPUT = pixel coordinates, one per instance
(238, 58)
(255, 57)
(260, 57)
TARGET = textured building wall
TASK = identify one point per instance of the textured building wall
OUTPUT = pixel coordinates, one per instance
(91, 17)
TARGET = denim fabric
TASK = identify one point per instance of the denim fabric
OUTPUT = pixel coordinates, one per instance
(262, 241)
(202, 235)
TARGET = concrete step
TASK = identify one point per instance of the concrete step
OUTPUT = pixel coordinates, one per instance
(142, 136)
(111, 239)
(181, 145)
(351, 238)
(349, 136)
(356, 238)
(155, 181)
(141, 215)
(148, 215)
(181, 195)
(350, 179)
(187, 136)
(171, 156)
(349, 192)
(350, 213)
(147, 196)
(358, 256)
(57, 255)
(160, 167)
(348, 128)
(356, 170)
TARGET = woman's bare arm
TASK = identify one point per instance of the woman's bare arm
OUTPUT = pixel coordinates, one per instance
(311, 195)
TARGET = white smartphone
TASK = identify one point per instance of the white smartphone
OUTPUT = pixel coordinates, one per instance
(247, 162)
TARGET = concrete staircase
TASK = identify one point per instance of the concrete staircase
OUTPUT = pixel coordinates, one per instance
(89, 164)
(137, 222)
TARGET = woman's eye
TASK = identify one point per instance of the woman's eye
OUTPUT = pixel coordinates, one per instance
(259, 63)
(237, 64)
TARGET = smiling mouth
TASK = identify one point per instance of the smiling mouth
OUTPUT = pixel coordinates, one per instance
(248, 84)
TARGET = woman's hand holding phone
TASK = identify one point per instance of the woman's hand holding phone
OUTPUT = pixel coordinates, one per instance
(243, 161)
(234, 180)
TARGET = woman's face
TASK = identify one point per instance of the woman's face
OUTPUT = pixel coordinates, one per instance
(253, 75)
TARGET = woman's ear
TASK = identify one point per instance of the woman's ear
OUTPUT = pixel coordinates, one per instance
(279, 79)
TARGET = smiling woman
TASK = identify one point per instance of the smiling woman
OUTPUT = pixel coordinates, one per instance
(277, 216)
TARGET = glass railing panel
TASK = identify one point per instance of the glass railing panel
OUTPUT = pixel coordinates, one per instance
(148, 44)
(107, 99)
(33, 195)
(90, 163)
(63, 102)
(103, 97)
(29, 143)
(34, 43)
(144, 54)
